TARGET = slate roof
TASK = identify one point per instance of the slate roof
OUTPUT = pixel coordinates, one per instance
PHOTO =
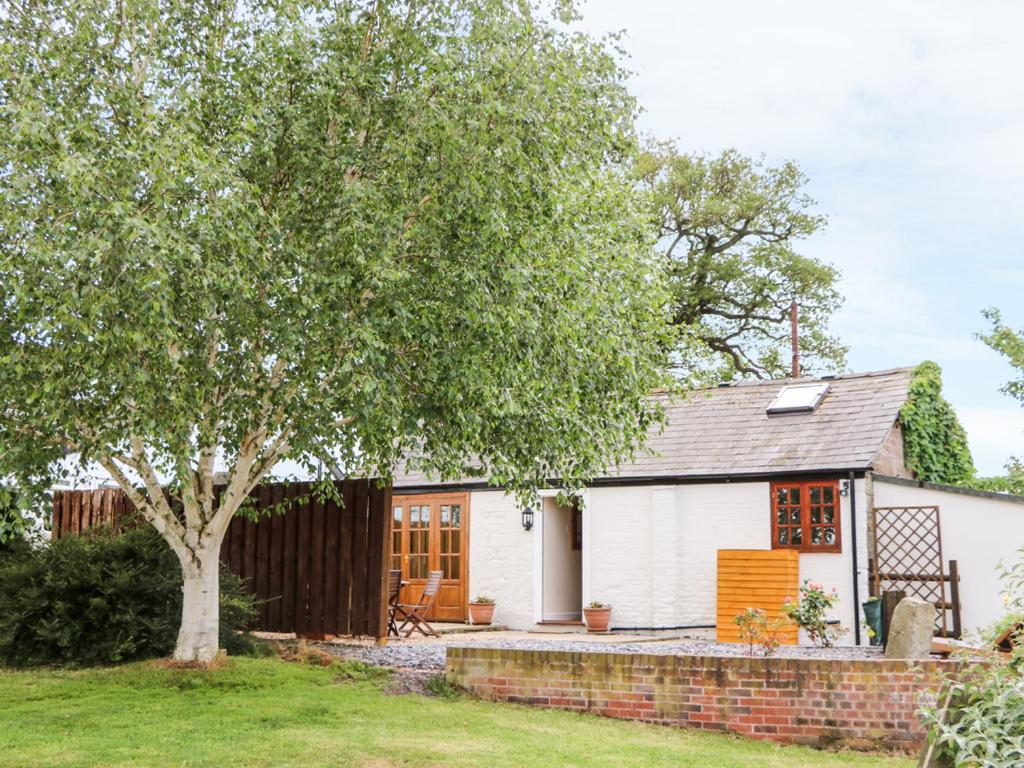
(726, 432)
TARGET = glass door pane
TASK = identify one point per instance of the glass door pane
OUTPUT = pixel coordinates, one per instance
(397, 552)
(419, 541)
(451, 540)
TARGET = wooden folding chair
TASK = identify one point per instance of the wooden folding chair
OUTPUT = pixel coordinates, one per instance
(394, 590)
(416, 614)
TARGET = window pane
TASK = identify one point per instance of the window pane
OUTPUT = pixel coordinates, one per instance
(425, 515)
(829, 494)
(780, 516)
(794, 516)
(396, 516)
(830, 535)
(794, 496)
(815, 515)
(456, 515)
(417, 542)
(445, 537)
(445, 515)
(830, 515)
(815, 494)
(798, 536)
(456, 542)
(781, 495)
(783, 535)
(815, 535)
(414, 516)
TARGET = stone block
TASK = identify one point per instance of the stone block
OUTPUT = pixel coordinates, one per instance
(912, 629)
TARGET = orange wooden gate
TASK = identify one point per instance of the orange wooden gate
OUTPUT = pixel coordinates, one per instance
(756, 578)
(430, 532)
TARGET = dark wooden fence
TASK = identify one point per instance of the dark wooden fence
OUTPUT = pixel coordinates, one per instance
(77, 511)
(318, 569)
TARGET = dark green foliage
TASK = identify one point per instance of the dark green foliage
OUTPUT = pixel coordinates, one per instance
(934, 443)
(102, 599)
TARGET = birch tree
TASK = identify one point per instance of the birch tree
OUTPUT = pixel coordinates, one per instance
(236, 231)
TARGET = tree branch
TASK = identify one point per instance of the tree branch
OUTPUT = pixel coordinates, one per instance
(166, 525)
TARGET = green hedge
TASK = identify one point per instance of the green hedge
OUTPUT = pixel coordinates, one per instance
(102, 599)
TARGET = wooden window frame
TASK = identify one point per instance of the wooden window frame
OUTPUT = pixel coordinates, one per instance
(805, 515)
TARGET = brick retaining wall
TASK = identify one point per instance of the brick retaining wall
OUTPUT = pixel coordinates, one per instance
(865, 704)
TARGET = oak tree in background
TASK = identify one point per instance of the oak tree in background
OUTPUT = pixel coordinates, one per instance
(729, 226)
(1010, 344)
(235, 231)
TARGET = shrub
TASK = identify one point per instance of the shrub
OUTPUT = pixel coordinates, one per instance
(808, 613)
(984, 727)
(758, 632)
(102, 599)
(984, 724)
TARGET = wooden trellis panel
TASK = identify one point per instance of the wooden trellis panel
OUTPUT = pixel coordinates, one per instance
(907, 555)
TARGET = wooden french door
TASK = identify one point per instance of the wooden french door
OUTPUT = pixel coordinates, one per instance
(430, 532)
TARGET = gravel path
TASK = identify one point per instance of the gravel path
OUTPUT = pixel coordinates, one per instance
(405, 656)
(431, 655)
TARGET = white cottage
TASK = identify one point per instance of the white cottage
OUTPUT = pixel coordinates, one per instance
(806, 464)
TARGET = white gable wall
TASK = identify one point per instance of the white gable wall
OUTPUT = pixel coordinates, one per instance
(977, 531)
(652, 551)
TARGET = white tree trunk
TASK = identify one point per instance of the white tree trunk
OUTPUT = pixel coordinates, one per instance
(200, 608)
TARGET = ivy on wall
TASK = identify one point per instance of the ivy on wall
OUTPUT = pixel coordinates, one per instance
(934, 443)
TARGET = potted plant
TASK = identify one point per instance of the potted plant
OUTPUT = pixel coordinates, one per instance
(481, 610)
(597, 616)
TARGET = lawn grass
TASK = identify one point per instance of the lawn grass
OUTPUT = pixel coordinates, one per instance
(272, 713)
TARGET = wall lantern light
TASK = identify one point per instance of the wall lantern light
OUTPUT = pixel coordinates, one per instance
(527, 518)
(844, 488)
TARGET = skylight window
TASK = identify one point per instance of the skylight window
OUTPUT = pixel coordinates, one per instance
(798, 397)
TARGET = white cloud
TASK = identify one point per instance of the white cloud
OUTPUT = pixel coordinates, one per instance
(907, 116)
(994, 435)
(933, 83)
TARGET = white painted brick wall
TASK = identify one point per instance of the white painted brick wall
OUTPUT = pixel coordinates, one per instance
(715, 516)
(621, 553)
(501, 557)
(653, 551)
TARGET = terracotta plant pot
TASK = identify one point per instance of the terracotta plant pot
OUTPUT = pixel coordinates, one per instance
(597, 619)
(481, 613)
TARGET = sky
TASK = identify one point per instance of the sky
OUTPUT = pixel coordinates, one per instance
(908, 118)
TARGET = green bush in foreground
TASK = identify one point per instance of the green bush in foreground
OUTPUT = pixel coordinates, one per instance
(984, 727)
(102, 599)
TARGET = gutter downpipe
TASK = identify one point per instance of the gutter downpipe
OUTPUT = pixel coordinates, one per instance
(853, 542)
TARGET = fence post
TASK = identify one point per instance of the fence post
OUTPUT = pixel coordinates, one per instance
(383, 550)
(954, 597)
(890, 599)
